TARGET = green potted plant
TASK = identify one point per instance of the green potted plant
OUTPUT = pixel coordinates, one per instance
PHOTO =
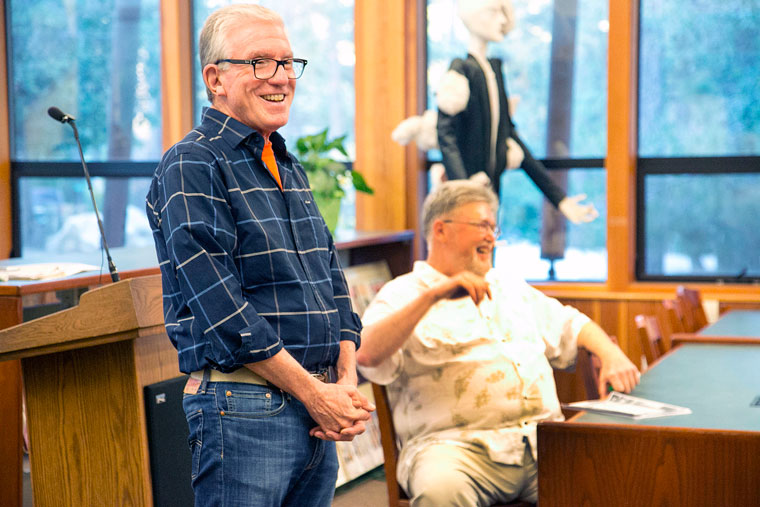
(326, 175)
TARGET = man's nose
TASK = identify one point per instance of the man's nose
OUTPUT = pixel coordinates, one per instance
(280, 75)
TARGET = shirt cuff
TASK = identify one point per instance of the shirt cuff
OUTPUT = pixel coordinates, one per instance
(352, 336)
(258, 342)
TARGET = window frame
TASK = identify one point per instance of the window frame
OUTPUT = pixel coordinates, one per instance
(54, 169)
(649, 166)
(674, 165)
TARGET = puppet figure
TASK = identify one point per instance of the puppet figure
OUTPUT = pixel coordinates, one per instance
(475, 133)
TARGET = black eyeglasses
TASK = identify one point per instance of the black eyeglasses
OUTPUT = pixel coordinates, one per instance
(483, 226)
(266, 68)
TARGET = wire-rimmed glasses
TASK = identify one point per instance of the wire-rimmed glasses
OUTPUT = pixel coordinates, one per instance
(486, 227)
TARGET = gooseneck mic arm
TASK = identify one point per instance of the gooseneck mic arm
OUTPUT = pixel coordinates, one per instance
(60, 116)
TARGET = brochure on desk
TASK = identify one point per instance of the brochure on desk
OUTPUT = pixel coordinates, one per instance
(628, 406)
(43, 271)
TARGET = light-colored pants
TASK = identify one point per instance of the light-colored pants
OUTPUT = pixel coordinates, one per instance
(445, 474)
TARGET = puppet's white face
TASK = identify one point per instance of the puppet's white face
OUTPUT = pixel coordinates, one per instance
(491, 20)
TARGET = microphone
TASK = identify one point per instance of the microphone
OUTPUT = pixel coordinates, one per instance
(59, 115)
(62, 117)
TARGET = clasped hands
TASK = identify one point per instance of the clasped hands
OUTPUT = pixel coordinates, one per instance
(340, 411)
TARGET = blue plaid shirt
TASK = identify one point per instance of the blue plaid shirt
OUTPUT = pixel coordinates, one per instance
(247, 268)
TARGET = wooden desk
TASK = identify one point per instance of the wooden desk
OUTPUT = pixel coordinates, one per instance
(22, 301)
(710, 457)
(736, 326)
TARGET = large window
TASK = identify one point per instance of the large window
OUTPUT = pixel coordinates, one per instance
(323, 33)
(699, 140)
(555, 65)
(99, 62)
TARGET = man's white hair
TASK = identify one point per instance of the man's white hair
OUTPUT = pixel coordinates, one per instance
(212, 44)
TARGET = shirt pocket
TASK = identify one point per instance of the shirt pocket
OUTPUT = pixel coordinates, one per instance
(451, 334)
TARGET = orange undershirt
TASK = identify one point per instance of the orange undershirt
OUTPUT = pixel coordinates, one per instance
(267, 156)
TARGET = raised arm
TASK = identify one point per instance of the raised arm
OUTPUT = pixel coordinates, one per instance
(384, 337)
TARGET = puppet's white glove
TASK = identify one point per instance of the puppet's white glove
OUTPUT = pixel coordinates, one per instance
(481, 177)
(575, 211)
(420, 129)
(437, 175)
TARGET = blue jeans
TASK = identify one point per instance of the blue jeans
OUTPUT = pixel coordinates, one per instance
(250, 446)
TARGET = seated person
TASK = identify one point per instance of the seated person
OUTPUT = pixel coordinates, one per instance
(466, 353)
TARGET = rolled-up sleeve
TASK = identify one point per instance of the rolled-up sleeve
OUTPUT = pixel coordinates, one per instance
(559, 326)
(382, 306)
(350, 324)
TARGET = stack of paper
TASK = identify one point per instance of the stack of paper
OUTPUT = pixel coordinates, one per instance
(43, 271)
(628, 406)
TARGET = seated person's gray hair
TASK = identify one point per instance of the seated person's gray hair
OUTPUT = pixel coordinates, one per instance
(451, 195)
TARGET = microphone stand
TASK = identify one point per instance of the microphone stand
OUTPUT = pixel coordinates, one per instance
(111, 266)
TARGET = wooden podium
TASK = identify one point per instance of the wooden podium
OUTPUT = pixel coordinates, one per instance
(84, 370)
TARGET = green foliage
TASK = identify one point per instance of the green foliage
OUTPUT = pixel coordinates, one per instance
(324, 172)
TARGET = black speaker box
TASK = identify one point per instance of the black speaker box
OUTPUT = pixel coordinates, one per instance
(170, 459)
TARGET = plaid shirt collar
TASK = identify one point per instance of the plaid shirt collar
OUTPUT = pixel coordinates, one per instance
(235, 133)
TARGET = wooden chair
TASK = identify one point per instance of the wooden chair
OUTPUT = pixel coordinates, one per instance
(650, 337)
(674, 318)
(694, 316)
(587, 365)
(396, 495)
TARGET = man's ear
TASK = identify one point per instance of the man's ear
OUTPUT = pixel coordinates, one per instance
(438, 230)
(211, 76)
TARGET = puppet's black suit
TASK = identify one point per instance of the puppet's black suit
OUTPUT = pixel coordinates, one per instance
(465, 137)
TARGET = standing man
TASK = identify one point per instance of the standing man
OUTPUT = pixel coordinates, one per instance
(254, 298)
(467, 353)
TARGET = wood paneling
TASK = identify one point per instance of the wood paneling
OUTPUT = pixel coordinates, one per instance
(10, 415)
(6, 229)
(621, 142)
(636, 465)
(727, 306)
(176, 70)
(386, 81)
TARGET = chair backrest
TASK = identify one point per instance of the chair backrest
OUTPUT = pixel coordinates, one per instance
(693, 312)
(650, 337)
(674, 315)
(587, 365)
(396, 495)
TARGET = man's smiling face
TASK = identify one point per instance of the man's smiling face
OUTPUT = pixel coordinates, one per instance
(262, 104)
